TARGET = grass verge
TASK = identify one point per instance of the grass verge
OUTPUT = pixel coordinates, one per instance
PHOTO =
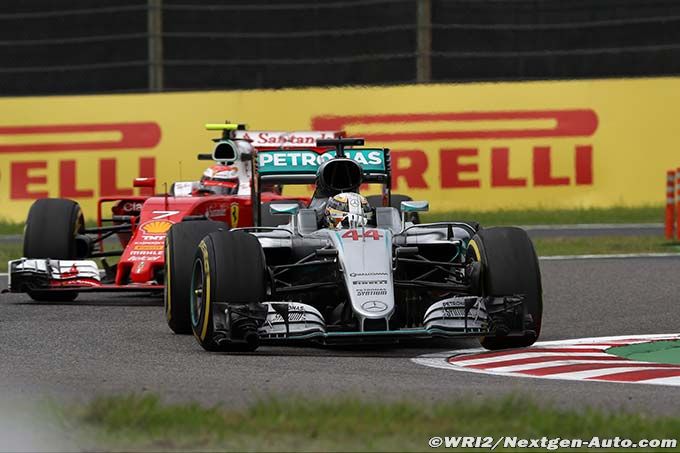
(618, 214)
(8, 227)
(9, 251)
(145, 423)
(597, 245)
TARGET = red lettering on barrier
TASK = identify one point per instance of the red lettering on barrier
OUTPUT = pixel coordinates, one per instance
(583, 161)
(107, 180)
(543, 169)
(500, 170)
(566, 123)
(451, 168)
(501, 125)
(132, 136)
(413, 173)
(67, 181)
(21, 179)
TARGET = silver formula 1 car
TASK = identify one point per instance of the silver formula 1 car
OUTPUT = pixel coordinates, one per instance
(383, 281)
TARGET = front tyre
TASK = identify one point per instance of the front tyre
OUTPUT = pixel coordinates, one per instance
(510, 267)
(180, 246)
(227, 287)
(51, 229)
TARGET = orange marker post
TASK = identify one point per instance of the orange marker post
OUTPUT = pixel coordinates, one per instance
(670, 203)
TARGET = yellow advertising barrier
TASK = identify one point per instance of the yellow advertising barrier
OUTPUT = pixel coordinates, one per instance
(468, 146)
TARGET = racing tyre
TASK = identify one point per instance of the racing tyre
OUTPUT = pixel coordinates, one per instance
(51, 229)
(510, 267)
(180, 246)
(376, 200)
(229, 273)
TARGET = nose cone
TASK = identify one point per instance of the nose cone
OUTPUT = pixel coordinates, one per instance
(142, 272)
(366, 258)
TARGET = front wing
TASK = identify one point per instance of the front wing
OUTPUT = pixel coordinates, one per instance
(26, 275)
(455, 317)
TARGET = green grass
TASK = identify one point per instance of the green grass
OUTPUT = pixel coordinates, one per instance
(583, 245)
(8, 227)
(645, 214)
(145, 423)
(9, 251)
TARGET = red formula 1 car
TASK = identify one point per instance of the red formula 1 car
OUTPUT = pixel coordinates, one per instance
(59, 248)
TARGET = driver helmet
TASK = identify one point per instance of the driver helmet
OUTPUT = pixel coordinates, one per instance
(220, 180)
(347, 210)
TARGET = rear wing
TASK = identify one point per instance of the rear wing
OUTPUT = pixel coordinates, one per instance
(285, 139)
(300, 166)
(263, 140)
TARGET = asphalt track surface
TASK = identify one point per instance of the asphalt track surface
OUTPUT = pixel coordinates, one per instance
(105, 344)
(627, 229)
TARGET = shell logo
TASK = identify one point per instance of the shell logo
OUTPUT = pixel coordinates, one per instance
(156, 226)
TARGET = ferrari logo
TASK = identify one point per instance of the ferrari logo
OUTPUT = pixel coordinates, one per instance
(233, 214)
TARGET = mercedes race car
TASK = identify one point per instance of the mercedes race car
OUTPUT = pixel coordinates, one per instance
(59, 248)
(373, 277)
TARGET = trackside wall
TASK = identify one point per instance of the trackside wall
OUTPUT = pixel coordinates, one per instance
(462, 146)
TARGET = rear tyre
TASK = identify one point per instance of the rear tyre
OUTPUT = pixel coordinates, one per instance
(51, 229)
(180, 246)
(510, 267)
(396, 199)
(229, 273)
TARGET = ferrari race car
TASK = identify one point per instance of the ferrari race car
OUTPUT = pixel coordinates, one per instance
(59, 248)
(375, 278)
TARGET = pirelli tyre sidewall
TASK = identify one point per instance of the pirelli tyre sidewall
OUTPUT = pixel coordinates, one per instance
(228, 268)
(509, 266)
(180, 247)
(50, 232)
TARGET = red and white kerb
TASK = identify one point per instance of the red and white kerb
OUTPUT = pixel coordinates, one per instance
(580, 359)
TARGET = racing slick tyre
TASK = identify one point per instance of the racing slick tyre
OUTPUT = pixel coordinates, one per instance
(180, 246)
(228, 283)
(376, 200)
(510, 267)
(51, 229)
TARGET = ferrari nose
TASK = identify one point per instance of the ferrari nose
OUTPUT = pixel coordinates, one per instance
(142, 272)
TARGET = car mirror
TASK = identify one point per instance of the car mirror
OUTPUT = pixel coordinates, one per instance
(284, 209)
(144, 182)
(414, 206)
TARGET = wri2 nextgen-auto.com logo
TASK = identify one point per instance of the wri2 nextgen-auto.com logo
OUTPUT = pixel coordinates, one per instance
(466, 138)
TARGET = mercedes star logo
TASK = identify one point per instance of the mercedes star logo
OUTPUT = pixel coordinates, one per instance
(374, 306)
